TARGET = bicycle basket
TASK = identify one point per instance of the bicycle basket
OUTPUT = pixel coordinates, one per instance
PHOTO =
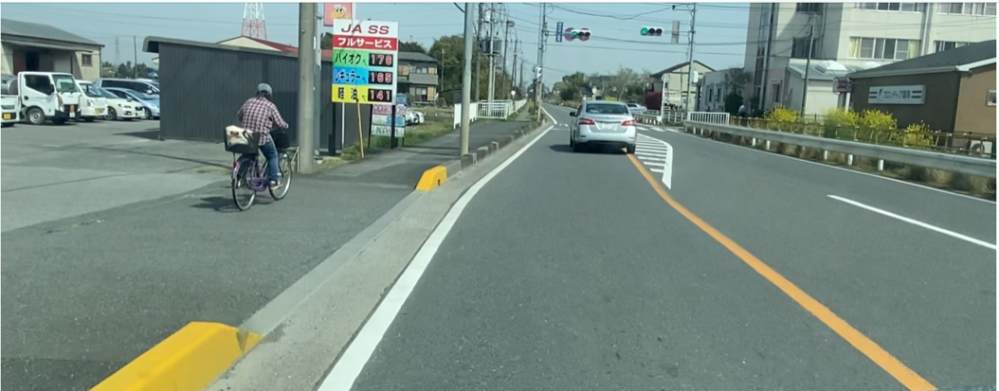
(236, 141)
(281, 140)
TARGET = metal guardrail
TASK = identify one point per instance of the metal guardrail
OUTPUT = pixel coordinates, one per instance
(928, 159)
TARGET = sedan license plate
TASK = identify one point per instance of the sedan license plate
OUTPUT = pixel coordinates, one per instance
(6, 116)
(98, 111)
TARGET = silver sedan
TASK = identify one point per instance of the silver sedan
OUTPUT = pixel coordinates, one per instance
(603, 123)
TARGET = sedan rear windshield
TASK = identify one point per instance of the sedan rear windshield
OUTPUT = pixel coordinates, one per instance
(600, 108)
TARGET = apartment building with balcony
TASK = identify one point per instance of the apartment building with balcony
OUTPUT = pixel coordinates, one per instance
(418, 77)
(847, 37)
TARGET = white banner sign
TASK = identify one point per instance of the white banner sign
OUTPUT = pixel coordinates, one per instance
(386, 131)
(897, 95)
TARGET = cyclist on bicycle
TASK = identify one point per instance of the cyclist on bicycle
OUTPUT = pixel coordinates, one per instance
(260, 115)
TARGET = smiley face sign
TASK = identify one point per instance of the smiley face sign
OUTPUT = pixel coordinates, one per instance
(334, 11)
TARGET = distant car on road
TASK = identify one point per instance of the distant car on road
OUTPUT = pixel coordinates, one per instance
(601, 122)
(150, 103)
(636, 108)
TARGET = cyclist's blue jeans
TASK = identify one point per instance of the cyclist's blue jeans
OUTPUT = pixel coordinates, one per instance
(271, 154)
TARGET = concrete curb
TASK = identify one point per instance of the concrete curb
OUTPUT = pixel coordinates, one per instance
(188, 360)
(437, 176)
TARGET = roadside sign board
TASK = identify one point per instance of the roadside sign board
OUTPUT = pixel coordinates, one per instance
(381, 122)
(558, 31)
(365, 65)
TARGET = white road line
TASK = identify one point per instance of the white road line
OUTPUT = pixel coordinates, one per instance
(655, 147)
(916, 223)
(661, 163)
(656, 158)
(356, 356)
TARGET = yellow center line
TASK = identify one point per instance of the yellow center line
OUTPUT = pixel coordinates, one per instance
(869, 348)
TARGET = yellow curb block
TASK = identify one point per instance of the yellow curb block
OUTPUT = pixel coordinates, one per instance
(432, 178)
(188, 360)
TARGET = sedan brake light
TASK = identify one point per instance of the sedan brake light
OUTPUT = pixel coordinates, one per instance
(586, 121)
(629, 122)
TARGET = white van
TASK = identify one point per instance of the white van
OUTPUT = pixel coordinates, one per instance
(11, 105)
(50, 96)
(93, 105)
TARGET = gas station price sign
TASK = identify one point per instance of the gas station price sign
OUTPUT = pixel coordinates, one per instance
(364, 61)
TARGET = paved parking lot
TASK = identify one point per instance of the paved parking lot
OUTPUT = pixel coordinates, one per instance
(53, 172)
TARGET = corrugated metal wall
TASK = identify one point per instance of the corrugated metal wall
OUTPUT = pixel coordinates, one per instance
(203, 88)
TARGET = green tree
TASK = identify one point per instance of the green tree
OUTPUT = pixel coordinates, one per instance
(449, 52)
(412, 47)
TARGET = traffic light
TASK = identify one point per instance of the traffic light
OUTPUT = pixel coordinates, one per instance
(652, 31)
(572, 34)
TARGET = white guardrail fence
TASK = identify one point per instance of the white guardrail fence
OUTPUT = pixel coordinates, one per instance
(707, 123)
(500, 109)
(653, 117)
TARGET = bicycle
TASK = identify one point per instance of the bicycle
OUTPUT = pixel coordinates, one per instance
(248, 173)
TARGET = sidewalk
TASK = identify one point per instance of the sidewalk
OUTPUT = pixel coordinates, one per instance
(404, 166)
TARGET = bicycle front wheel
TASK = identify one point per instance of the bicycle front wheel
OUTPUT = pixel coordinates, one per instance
(242, 194)
(285, 166)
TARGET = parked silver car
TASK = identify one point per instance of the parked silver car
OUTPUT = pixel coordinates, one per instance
(603, 123)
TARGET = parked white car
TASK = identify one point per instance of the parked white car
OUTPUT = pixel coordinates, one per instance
(119, 108)
(93, 105)
(11, 105)
(414, 117)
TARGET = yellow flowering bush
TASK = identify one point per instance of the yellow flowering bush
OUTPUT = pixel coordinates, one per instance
(917, 135)
(781, 114)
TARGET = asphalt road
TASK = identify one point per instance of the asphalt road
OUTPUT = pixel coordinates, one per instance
(572, 271)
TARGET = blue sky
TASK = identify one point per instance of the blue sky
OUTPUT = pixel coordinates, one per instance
(615, 42)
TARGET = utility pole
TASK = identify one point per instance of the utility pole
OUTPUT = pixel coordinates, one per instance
(506, 42)
(808, 64)
(478, 57)
(690, 63)
(317, 79)
(513, 77)
(541, 52)
(135, 59)
(466, 80)
(492, 57)
(306, 83)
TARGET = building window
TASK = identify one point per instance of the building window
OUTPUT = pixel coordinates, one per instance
(87, 60)
(776, 88)
(901, 7)
(808, 7)
(404, 70)
(981, 9)
(799, 48)
(883, 48)
(948, 45)
(422, 70)
(992, 98)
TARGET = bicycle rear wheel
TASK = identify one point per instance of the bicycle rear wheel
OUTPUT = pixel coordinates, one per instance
(285, 166)
(242, 195)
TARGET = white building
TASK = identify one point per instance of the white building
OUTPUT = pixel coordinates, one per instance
(675, 80)
(712, 89)
(855, 35)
